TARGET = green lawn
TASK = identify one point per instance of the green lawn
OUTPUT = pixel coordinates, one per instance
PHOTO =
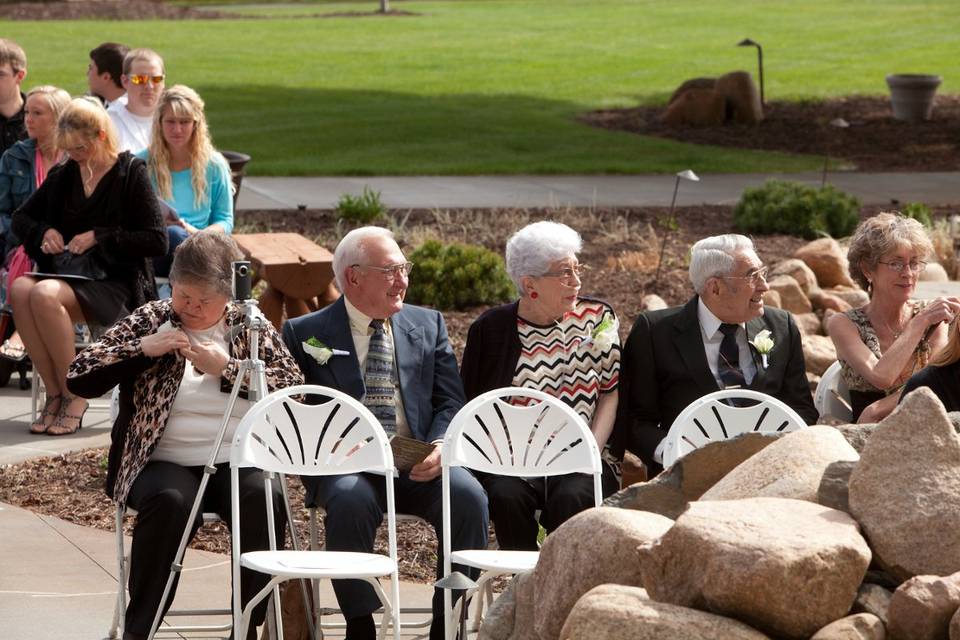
(493, 86)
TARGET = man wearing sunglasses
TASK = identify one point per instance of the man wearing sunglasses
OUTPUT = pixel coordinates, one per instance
(143, 79)
(674, 356)
(396, 358)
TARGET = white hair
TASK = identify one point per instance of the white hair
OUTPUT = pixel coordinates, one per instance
(715, 256)
(532, 250)
(353, 250)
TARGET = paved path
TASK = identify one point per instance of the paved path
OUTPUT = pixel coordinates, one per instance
(580, 191)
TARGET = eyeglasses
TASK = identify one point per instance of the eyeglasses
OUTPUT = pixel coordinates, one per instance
(568, 273)
(753, 278)
(898, 266)
(143, 79)
(390, 272)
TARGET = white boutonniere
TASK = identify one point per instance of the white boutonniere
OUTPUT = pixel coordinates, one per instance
(604, 335)
(321, 352)
(763, 343)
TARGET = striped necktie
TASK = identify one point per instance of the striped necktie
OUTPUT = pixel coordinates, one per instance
(378, 378)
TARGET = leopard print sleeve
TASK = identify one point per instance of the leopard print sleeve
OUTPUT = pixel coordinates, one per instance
(121, 342)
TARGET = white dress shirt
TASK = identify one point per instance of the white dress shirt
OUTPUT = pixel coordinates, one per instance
(712, 337)
(360, 331)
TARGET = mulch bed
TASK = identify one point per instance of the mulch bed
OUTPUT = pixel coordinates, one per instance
(874, 141)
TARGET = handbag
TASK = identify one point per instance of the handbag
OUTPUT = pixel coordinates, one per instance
(84, 265)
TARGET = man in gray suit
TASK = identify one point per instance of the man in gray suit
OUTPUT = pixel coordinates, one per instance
(397, 359)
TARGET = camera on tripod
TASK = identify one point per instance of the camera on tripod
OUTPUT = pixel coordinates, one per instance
(242, 280)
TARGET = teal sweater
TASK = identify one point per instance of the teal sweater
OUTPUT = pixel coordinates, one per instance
(217, 204)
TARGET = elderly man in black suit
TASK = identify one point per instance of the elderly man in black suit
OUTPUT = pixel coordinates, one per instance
(674, 356)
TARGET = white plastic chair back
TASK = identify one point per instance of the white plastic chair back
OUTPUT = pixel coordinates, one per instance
(832, 396)
(546, 438)
(710, 419)
(283, 435)
(492, 435)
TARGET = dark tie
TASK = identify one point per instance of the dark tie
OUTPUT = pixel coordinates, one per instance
(728, 364)
(378, 378)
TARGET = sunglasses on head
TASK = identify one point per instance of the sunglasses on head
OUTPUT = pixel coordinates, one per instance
(144, 79)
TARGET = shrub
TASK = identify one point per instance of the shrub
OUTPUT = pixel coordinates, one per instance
(364, 208)
(919, 212)
(457, 276)
(781, 206)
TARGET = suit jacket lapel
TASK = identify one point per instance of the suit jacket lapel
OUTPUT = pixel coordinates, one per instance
(689, 342)
(335, 333)
(754, 327)
(408, 350)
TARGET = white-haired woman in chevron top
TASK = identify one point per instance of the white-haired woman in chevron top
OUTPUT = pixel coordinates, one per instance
(556, 341)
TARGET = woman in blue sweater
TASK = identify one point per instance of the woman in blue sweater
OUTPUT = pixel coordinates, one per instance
(186, 171)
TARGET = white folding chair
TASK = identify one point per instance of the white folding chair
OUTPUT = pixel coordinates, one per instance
(120, 607)
(832, 396)
(281, 435)
(492, 435)
(710, 419)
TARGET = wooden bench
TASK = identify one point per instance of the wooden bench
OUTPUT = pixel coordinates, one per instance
(298, 273)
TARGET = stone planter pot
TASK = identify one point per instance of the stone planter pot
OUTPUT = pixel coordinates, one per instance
(238, 163)
(911, 95)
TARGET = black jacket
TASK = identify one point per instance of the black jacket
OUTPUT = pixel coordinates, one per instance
(943, 381)
(664, 368)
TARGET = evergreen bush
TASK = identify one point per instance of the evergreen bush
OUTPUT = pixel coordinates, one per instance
(919, 212)
(457, 276)
(780, 206)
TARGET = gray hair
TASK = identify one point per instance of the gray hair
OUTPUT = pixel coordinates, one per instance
(715, 256)
(532, 250)
(353, 250)
(204, 259)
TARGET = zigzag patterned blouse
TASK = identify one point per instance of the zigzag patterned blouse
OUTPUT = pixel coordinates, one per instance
(561, 358)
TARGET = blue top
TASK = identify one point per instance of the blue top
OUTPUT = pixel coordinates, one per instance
(217, 206)
(17, 183)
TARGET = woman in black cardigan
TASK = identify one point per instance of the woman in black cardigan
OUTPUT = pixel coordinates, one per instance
(98, 205)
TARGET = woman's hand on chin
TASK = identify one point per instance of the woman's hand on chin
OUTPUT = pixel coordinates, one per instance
(157, 344)
(208, 357)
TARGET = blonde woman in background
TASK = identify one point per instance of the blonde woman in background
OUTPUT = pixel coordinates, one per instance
(186, 171)
(883, 343)
(98, 204)
(942, 375)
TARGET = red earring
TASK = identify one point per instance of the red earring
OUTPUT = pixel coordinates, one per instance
(534, 294)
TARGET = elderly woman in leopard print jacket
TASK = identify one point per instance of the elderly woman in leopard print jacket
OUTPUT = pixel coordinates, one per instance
(176, 362)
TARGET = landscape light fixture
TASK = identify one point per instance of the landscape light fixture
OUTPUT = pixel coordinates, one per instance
(456, 581)
(671, 222)
(838, 123)
(747, 42)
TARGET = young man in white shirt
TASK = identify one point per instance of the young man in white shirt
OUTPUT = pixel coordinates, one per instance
(143, 80)
(13, 69)
(105, 71)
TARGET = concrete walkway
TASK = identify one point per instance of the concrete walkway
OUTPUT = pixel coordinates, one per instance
(58, 580)
(581, 191)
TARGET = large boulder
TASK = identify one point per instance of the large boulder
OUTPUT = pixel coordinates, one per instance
(955, 626)
(905, 492)
(695, 108)
(921, 608)
(652, 302)
(616, 612)
(808, 323)
(834, 490)
(791, 467)
(860, 626)
(819, 353)
(852, 295)
(806, 560)
(934, 273)
(792, 297)
(500, 619)
(690, 476)
(772, 299)
(799, 271)
(586, 551)
(741, 97)
(827, 260)
(693, 83)
(821, 299)
(857, 434)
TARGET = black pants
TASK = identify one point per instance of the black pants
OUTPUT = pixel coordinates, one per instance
(163, 494)
(513, 502)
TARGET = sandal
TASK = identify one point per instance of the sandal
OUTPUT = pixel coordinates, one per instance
(59, 427)
(39, 426)
(13, 351)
